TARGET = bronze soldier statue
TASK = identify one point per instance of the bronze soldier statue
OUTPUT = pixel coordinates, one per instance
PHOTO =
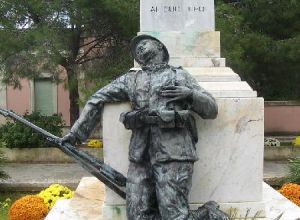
(162, 148)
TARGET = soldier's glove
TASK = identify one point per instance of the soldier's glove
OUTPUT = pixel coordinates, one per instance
(69, 138)
(176, 93)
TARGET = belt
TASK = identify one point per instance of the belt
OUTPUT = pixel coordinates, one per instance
(156, 120)
(151, 120)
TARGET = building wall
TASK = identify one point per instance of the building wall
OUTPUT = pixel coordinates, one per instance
(63, 103)
(2, 100)
(18, 100)
(282, 118)
(21, 101)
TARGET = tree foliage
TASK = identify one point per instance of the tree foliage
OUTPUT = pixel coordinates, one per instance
(294, 171)
(261, 42)
(38, 35)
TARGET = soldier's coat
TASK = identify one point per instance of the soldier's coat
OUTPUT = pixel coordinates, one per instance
(142, 88)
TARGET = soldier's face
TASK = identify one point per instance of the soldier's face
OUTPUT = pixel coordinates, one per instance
(148, 52)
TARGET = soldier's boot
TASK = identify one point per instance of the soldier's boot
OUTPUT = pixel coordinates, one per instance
(209, 211)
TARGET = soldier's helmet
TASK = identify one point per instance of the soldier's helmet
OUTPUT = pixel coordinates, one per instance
(135, 41)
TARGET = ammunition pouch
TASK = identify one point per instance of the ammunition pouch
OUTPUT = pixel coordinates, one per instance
(132, 120)
(166, 119)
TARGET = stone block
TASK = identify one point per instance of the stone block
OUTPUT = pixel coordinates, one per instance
(229, 89)
(85, 205)
(213, 74)
(177, 15)
(194, 62)
(190, 44)
(230, 148)
(197, 62)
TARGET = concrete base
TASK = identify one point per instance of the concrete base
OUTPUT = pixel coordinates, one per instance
(87, 204)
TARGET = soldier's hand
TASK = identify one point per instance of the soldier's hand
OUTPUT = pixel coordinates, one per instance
(69, 138)
(176, 92)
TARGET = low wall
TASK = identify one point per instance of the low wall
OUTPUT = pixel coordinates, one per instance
(44, 155)
(282, 118)
(282, 153)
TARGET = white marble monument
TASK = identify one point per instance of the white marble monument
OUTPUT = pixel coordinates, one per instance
(177, 15)
(230, 148)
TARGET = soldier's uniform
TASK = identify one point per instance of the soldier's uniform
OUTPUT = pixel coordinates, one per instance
(162, 147)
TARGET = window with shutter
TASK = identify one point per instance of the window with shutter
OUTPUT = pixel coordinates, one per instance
(44, 96)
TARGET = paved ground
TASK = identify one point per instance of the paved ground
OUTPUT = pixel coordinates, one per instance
(33, 177)
(275, 172)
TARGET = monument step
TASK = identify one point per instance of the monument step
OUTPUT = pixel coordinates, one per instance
(213, 74)
(210, 74)
(198, 62)
(229, 89)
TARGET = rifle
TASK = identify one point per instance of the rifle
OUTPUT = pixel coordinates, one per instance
(106, 174)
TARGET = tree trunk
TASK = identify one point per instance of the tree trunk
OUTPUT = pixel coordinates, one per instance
(73, 96)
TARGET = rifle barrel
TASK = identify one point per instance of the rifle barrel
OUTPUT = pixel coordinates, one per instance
(109, 176)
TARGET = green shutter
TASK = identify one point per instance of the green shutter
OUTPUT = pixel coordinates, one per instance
(43, 96)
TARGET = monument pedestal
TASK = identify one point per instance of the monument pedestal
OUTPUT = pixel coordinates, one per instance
(230, 148)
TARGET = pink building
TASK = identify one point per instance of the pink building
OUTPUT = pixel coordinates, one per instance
(41, 95)
(282, 118)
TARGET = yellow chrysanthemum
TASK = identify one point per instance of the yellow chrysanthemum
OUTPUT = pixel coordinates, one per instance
(55, 192)
(296, 142)
(94, 143)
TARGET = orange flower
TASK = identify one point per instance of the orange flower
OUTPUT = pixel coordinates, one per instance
(28, 207)
(292, 192)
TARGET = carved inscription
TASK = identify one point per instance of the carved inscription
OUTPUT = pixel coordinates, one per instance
(177, 15)
(177, 9)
